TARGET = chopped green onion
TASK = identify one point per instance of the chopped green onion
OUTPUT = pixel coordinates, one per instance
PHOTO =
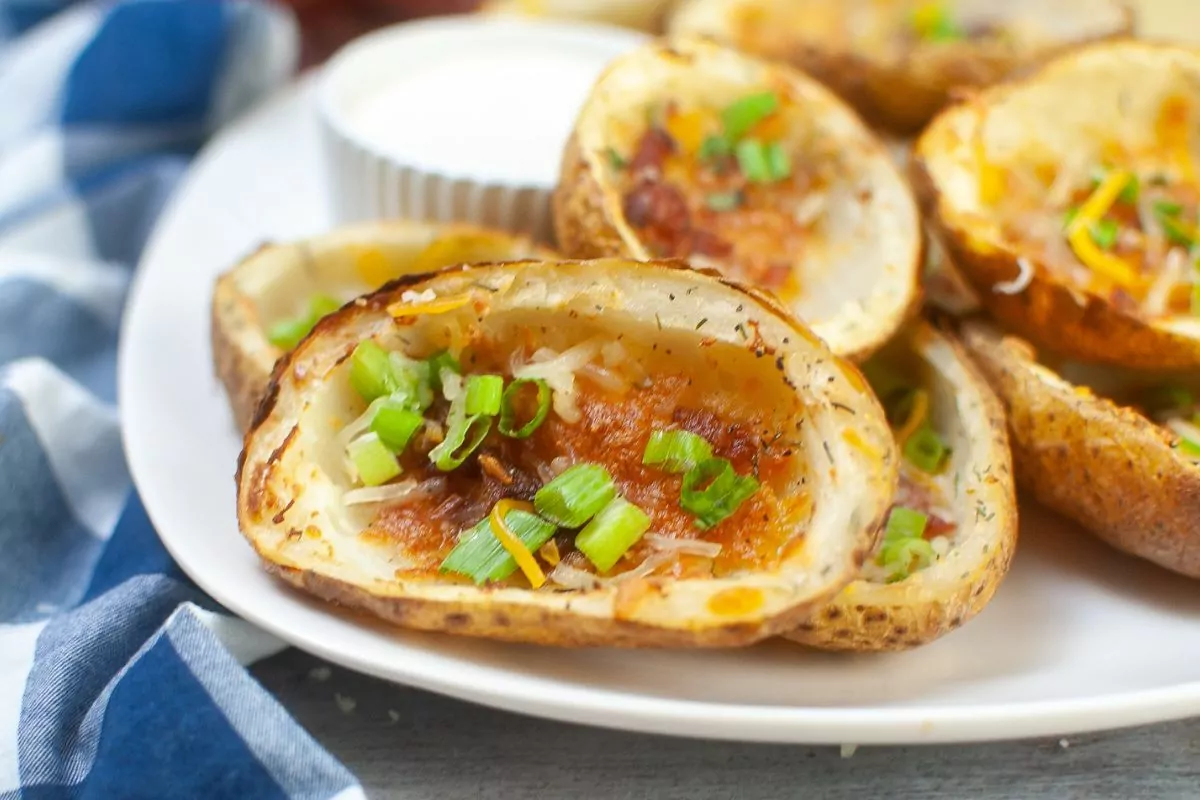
(508, 410)
(933, 22)
(778, 161)
(481, 557)
(371, 371)
(1104, 233)
(676, 451)
(288, 333)
(712, 491)
(1189, 448)
(1167, 208)
(1069, 216)
(616, 160)
(715, 147)
(1176, 232)
(575, 496)
(904, 548)
(413, 381)
(752, 160)
(925, 449)
(742, 115)
(723, 201)
(615, 529)
(464, 434)
(373, 461)
(483, 395)
(395, 423)
(438, 362)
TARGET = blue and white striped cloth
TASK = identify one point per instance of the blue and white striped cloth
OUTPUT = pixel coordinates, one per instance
(118, 677)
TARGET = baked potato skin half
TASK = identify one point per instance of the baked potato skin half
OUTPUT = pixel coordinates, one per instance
(242, 355)
(277, 507)
(895, 96)
(1049, 311)
(590, 220)
(871, 617)
(1100, 464)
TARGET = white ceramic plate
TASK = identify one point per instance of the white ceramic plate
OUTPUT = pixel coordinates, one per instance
(1077, 638)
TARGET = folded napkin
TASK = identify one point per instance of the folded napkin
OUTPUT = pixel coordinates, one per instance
(118, 677)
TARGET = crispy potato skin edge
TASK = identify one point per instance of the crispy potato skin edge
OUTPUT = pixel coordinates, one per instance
(478, 614)
(902, 98)
(1099, 464)
(854, 621)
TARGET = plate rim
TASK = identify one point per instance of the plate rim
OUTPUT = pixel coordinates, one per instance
(583, 704)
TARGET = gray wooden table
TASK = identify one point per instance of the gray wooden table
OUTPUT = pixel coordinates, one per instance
(405, 743)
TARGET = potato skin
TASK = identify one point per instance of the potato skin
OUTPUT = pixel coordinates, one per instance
(1100, 464)
(1048, 312)
(901, 97)
(868, 617)
(274, 503)
(582, 227)
(243, 372)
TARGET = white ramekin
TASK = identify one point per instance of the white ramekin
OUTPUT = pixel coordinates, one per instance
(370, 182)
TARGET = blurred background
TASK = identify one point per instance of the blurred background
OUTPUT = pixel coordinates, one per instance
(328, 24)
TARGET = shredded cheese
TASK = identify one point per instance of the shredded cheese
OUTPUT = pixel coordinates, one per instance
(852, 438)
(916, 416)
(549, 553)
(440, 306)
(991, 178)
(512, 544)
(1106, 265)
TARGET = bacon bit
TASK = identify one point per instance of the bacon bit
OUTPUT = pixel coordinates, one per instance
(738, 601)
(512, 544)
(661, 212)
(776, 275)
(706, 243)
(549, 553)
(652, 151)
(492, 466)
(936, 526)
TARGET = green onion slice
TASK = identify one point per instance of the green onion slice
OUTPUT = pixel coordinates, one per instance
(712, 491)
(575, 496)
(413, 381)
(438, 362)
(616, 160)
(723, 201)
(742, 115)
(752, 160)
(483, 394)
(395, 424)
(481, 557)
(616, 528)
(676, 451)
(926, 450)
(288, 333)
(1104, 233)
(371, 371)
(373, 461)
(904, 548)
(508, 410)
(715, 147)
(464, 434)
(1188, 447)
(778, 161)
